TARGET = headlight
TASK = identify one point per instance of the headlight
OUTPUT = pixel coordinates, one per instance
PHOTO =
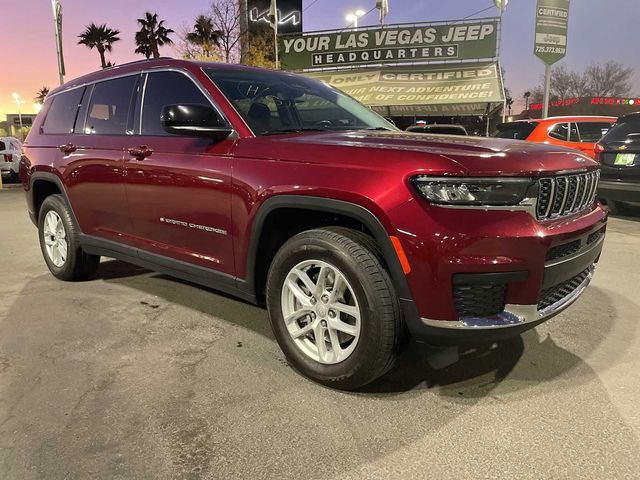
(473, 191)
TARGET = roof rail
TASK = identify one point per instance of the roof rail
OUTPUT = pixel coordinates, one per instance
(144, 60)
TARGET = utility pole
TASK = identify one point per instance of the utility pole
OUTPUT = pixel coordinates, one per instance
(57, 20)
(244, 30)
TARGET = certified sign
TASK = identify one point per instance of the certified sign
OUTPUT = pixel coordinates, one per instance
(552, 21)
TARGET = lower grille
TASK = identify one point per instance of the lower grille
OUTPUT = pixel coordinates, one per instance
(554, 294)
(479, 300)
(563, 250)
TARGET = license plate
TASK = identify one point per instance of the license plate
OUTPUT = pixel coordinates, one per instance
(625, 159)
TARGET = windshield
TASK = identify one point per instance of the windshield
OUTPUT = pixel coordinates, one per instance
(515, 130)
(276, 102)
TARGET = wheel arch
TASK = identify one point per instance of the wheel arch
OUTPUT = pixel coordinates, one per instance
(42, 185)
(342, 208)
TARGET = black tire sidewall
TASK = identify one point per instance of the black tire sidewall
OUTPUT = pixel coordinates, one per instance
(57, 204)
(356, 370)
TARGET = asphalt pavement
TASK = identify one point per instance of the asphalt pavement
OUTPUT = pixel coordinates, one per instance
(138, 375)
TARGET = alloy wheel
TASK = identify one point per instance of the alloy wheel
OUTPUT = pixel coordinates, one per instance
(321, 311)
(55, 238)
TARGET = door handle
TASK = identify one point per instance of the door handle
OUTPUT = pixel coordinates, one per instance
(141, 152)
(68, 148)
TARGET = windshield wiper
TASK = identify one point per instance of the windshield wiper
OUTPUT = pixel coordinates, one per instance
(282, 131)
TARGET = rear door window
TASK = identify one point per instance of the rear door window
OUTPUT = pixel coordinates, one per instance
(108, 111)
(560, 131)
(592, 132)
(62, 113)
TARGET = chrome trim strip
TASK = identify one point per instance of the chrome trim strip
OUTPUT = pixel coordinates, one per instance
(513, 315)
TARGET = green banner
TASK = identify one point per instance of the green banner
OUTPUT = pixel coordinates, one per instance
(439, 88)
(393, 44)
(552, 23)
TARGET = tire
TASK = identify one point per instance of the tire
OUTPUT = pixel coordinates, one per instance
(75, 264)
(366, 323)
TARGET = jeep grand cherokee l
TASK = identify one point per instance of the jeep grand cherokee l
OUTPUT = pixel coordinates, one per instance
(280, 189)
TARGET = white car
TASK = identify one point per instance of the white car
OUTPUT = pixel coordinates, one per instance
(10, 152)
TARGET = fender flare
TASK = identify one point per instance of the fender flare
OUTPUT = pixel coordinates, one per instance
(51, 178)
(357, 212)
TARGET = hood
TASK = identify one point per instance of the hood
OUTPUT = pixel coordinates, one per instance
(477, 155)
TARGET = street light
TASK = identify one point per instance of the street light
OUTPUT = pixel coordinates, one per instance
(353, 17)
(18, 101)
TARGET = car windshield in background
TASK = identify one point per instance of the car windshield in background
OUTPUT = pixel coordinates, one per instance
(273, 103)
(515, 130)
(439, 129)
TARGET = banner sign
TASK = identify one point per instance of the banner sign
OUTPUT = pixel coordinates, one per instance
(289, 16)
(427, 86)
(393, 44)
(552, 23)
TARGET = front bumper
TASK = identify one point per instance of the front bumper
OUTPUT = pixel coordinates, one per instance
(619, 191)
(482, 248)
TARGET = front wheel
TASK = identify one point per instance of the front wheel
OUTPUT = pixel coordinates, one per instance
(333, 308)
(60, 244)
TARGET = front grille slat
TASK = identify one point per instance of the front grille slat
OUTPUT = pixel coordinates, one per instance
(566, 194)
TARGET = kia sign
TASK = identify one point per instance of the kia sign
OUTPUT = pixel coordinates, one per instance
(552, 21)
(289, 15)
(393, 44)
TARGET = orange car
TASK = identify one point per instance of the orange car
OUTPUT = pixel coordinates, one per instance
(580, 132)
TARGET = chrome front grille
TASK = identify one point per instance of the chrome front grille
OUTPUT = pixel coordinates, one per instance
(564, 195)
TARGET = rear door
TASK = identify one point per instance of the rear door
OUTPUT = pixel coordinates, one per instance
(179, 189)
(94, 159)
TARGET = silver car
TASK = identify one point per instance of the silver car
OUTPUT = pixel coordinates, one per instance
(10, 152)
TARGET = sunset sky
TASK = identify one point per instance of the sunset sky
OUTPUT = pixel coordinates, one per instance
(599, 30)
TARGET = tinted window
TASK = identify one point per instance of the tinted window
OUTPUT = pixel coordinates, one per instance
(560, 131)
(167, 88)
(109, 108)
(62, 113)
(2, 146)
(591, 132)
(515, 130)
(621, 132)
(271, 102)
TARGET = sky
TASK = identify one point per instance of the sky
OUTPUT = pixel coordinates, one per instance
(599, 30)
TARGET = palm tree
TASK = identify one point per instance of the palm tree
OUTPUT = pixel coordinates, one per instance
(99, 37)
(204, 35)
(152, 35)
(41, 95)
(509, 102)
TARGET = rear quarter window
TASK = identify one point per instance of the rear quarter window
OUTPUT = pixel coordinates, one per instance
(61, 115)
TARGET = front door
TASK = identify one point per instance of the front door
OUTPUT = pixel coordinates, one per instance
(178, 187)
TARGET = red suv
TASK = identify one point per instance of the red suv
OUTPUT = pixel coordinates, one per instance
(280, 189)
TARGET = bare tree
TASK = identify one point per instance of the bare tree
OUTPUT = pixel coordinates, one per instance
(225, 15)
(609, 80)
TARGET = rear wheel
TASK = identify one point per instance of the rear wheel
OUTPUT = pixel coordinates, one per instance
(60, 244)
(333, 308)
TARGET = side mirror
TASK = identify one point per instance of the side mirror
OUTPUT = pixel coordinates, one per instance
(194, 121)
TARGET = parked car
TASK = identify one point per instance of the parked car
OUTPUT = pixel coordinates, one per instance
(619, 156)
(279, 189)
(442, 129)
(10, 151)
(581, 133)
